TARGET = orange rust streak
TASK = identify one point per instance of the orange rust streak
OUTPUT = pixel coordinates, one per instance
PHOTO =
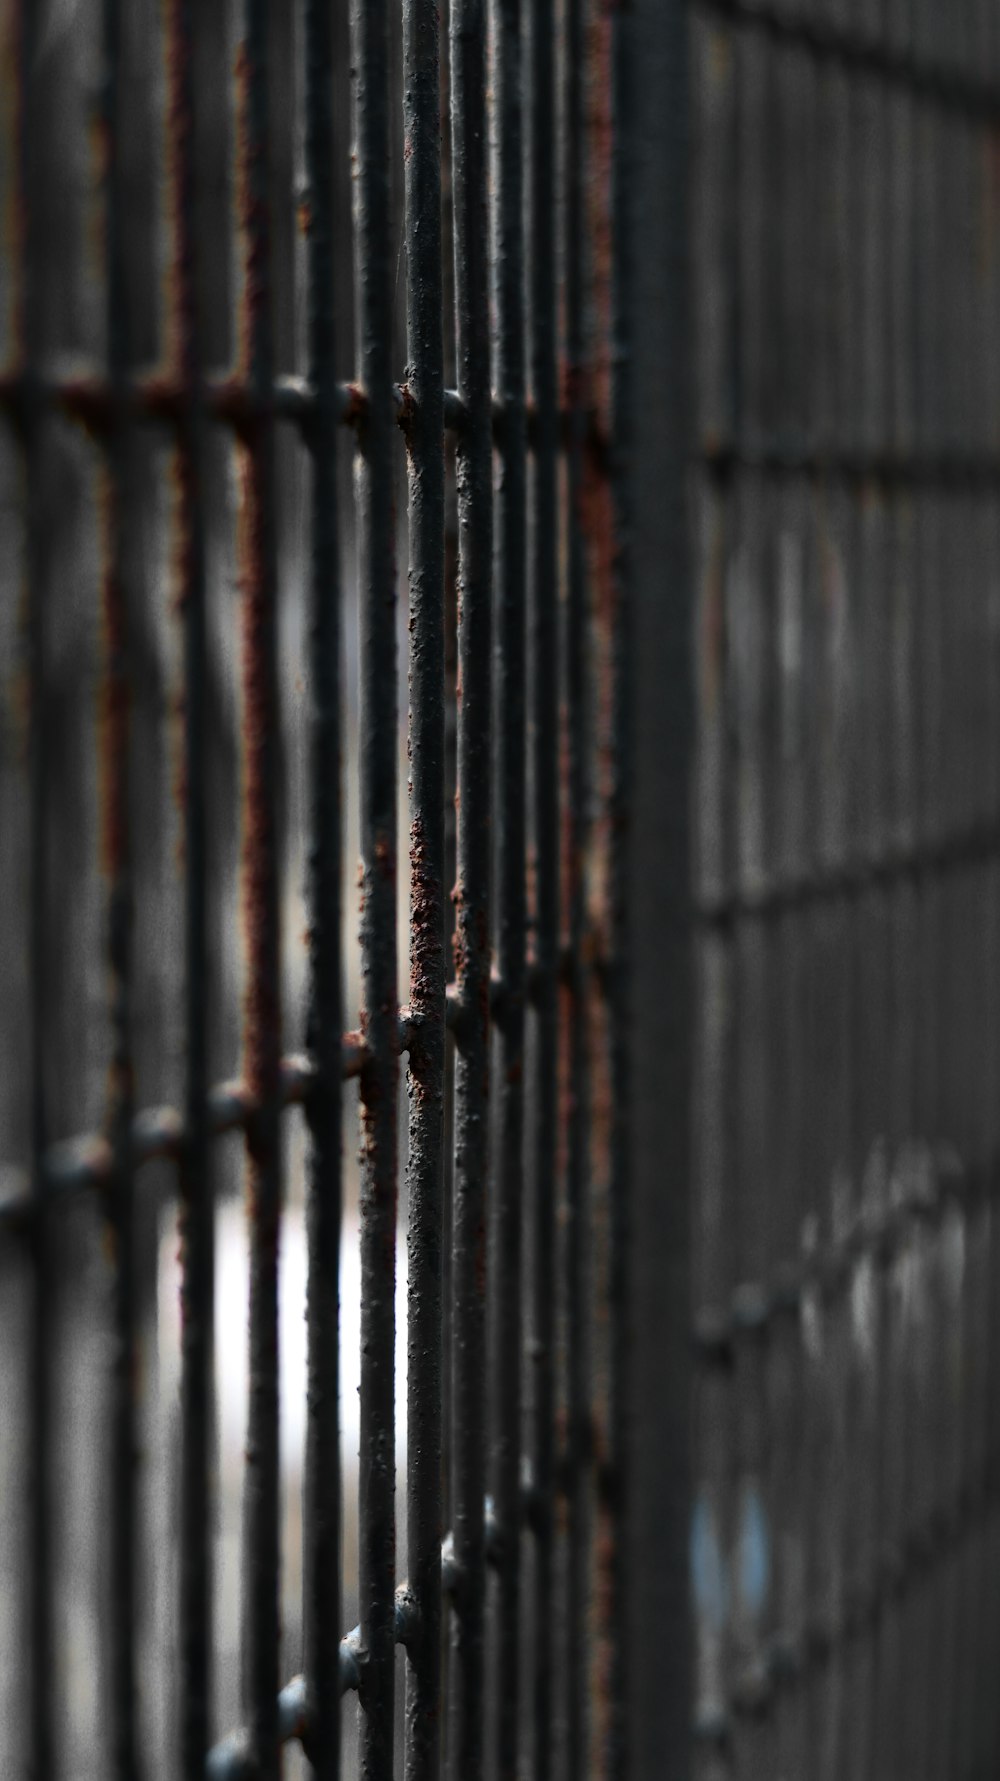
(599, 186)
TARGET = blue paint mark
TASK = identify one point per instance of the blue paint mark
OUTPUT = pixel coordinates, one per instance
(754, 1552)
(708, 1571)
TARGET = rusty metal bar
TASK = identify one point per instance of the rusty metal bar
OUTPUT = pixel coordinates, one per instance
(39, 1581)
(472, 961)
(260, 1626)
(160, 399)
(578, 990)
(322, 1483)
(428, 971)
(116, 838)
(197, 1228)
(893, 866)
(378, 742)
(78, 1165)
(509, 915)
(543, 742)
(890, 467)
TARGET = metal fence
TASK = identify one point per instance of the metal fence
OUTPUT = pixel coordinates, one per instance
(183, 197)
(626, 378)
(846, 242)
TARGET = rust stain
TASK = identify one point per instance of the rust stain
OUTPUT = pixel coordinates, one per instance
(354, 412)
(597, 523)
(385, 857)
(405, 418)
(458, 940)
(100, 144)
(426, 942)
(720, 56)
(600, 140)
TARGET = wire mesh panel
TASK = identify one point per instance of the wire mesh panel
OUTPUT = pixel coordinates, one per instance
(351, 1216)
(845, 1526)
(316, 1184)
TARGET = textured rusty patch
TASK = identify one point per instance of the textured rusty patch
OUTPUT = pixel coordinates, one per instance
(354, 413)
(405, 416)
(597, 522)
(385, 858)
(426, 941)
(599, 138)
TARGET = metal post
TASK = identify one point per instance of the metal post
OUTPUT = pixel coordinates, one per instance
(651, 963)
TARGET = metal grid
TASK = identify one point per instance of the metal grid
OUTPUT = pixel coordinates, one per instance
(516, 1156)
(845, 1516)
(524, 175)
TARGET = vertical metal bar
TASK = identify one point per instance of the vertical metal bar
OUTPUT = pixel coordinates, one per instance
(544, 783)
(378, 743)
(510, 911)
(40, 1580)
(650, 966)
(196, 1217)
(986, 1617)
(475, 512)
(425, 1174)
(117, 863)
(576, 997)
(322, 1484)
(260, 1629)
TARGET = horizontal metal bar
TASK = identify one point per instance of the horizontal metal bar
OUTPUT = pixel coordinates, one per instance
(230, 1759)
(158, 1133)
(823, 38)
(788, 1661)
(975, 846)
(968, 471)
(163, 398)
(756, 1306)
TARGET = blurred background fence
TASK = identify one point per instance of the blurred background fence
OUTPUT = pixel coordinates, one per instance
(847, 252)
